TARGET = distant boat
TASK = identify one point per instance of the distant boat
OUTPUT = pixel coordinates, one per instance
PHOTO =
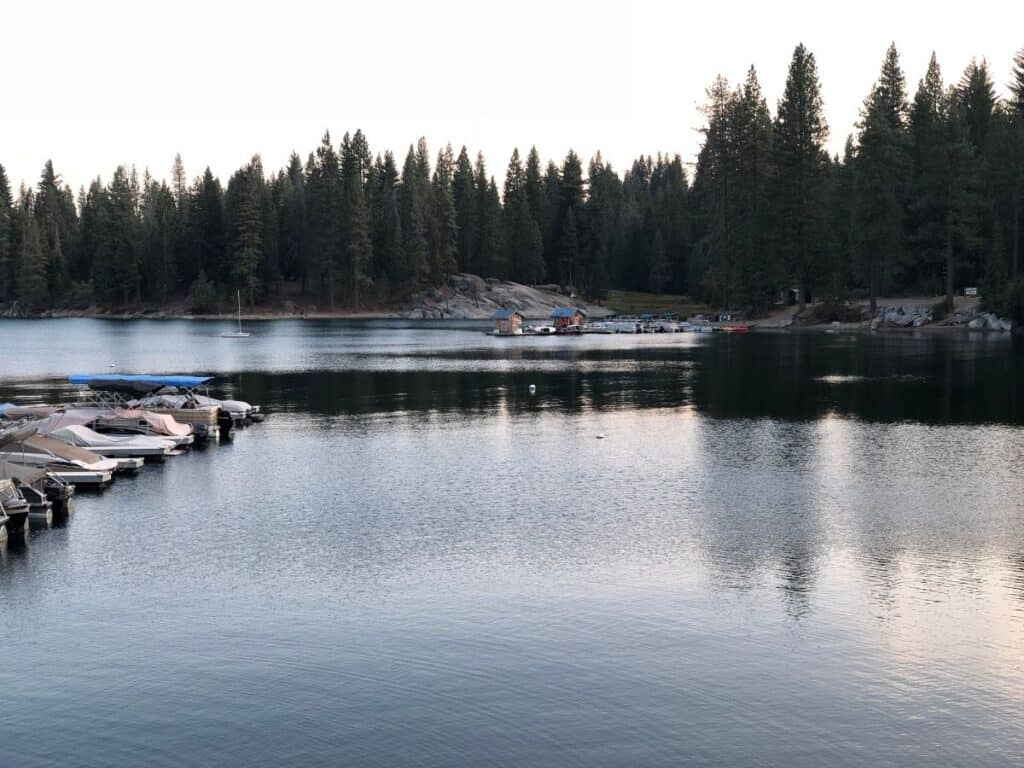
(239, 334)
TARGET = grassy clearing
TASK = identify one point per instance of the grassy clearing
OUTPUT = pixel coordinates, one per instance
(637, 302)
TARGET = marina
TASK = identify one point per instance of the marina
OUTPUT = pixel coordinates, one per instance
(47, 452)
(572, 321)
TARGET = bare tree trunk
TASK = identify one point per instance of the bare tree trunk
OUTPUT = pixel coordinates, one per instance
(949, 261)
(1016, 233)
(874, 290)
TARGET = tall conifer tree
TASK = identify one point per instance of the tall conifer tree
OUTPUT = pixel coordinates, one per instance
(800, 160)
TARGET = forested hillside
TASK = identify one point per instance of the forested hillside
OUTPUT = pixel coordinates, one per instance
(926, 198)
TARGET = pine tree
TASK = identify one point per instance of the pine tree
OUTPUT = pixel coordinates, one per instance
(1017, 84)
(179, 184)
(661, 273)
(358, 259)
(977, 101)
(1015, 160)
(32, 291)
(571, 189)
(537, 198)
(962, 196)
(490, 245)
(748, 197)
(55, 214)
(603, 211)
(6, 214)
(119, 244)
(387, 225)
(466, 214)
(553, 195)
(325, 201)
(293, 232)
(413, 212)
(444, 226)
(800, 160)
(244, 203)
(526, 249)
(883, 170)
(207, 233)
(926, 211)
(569, 248)
(159, 225)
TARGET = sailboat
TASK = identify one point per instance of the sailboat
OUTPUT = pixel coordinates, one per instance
(239, 334)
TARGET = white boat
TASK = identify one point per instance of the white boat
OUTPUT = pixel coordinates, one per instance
(66, 471)
(65, 461)
(119, 420)
(239, 410)
(239, 334)
(114, 446)
(625, 324)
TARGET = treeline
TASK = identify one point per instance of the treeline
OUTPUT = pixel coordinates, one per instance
(926, 198)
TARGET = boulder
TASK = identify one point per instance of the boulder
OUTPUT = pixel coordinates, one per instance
(468, 283)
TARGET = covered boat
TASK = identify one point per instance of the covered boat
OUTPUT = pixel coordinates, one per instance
(73, 465)
(132, 390)
(129, 420)
(113, 446)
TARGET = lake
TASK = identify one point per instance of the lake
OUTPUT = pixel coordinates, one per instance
(788, 549)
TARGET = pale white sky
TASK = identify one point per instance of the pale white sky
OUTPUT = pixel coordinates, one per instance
(94, 84)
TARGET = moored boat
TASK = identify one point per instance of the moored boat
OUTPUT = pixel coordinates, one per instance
(13, 507)
(114, 446)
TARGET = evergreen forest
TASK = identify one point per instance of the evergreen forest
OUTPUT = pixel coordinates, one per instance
(926, 198)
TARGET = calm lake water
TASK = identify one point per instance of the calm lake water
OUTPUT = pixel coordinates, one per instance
(790, 550)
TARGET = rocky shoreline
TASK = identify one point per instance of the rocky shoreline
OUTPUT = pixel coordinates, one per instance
(467, 297)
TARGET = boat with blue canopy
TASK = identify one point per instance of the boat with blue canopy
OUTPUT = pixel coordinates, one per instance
(173, 395)
(142, 384)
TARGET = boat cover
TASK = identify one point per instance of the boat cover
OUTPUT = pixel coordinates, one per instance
(160, 423)
(84, 437)
(18, 434)
(136, 383)
(66, 452)
(12, 412)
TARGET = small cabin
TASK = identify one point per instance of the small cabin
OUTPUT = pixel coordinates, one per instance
(508, 322)
(564, 318)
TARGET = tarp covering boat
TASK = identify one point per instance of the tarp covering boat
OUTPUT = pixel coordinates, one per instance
(17, 434)
(136, 383)
(68, 452)
(157, 423)
(12, 412)
(83, 437)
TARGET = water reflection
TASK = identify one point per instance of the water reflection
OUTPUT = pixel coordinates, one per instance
(780, 537)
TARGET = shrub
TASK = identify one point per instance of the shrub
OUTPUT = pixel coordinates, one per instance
(1014, 304)
(835, 311)
(941, 311)
(204, 295)
(80, 295)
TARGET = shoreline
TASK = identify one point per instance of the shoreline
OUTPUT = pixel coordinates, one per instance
(863, 328)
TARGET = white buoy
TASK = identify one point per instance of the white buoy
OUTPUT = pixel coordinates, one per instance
(533, 389)
(600, 435)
